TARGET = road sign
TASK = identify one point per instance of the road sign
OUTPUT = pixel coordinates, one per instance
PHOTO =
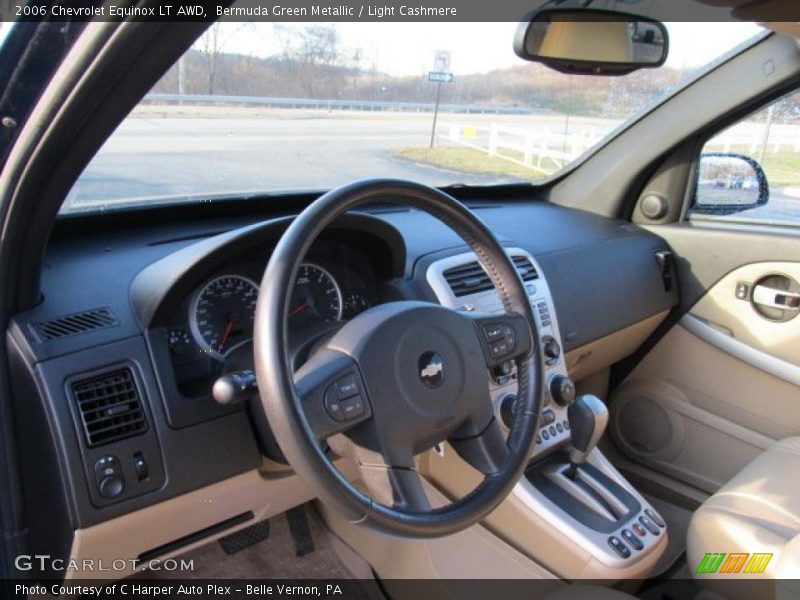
(441, 61)
(440, 74)
(440, 77)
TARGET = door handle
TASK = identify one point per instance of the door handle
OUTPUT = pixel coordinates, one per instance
(774, 298)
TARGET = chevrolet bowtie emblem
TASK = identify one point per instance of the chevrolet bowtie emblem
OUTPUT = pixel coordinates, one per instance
(431, 369)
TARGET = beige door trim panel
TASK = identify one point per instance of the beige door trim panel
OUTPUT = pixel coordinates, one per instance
(702, 449)
(721, 307)
(717, 389)
(768, 363)
(697, 413)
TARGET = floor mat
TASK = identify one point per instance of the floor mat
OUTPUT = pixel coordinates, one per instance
(276, 557)
(677, 519)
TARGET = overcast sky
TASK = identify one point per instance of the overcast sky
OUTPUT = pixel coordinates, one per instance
(407, 49)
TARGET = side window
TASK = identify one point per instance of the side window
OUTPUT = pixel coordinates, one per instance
(751, 171)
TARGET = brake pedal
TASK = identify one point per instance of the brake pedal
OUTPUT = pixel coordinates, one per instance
(300, 529)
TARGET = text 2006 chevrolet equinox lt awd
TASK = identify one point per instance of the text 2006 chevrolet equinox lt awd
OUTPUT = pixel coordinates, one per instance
(482, 300)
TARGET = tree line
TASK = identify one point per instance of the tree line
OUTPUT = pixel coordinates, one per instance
(315, 63)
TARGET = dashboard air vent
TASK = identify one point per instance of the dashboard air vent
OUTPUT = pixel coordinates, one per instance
(470, 278)
(82, 322)
(110, 407)
(525, 267)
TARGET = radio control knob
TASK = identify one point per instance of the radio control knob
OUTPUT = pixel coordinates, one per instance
(552, 349)
(562, 390)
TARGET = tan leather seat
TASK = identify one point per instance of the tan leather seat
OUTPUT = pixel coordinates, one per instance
(758, 511)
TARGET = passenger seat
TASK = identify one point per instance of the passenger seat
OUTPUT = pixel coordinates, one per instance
(756, 512)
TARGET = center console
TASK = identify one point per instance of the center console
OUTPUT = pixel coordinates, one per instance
(569, 486)
(459, 282)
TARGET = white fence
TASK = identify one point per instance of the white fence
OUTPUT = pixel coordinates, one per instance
(545, 148)
(755, 138)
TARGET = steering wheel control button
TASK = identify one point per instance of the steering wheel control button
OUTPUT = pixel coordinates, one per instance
(619, 547)
(501, 339)
(640, 531)
(548, 417)
(352, 407)
(493, 332)
(347, 387)
(545, 435)
(332, 404)
(431, 369)
(108, 475)
(499, 349)
(649, 525)
(632, 540)
(655, 518)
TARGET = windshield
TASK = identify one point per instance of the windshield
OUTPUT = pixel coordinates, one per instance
(269, 108)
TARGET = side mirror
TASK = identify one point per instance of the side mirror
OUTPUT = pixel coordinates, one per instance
(728, 183)
(584, 41)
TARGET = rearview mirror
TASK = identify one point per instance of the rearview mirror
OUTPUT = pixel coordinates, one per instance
(728, 183)
(592, 42)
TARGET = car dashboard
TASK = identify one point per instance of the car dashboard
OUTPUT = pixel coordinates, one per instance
(137, 322)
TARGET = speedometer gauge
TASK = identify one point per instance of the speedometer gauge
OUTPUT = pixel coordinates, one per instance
(222, 313)
(316, 297)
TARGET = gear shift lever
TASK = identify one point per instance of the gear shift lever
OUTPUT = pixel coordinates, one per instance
(588, 417)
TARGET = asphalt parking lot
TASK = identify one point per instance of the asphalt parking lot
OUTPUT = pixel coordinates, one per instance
(160, 156)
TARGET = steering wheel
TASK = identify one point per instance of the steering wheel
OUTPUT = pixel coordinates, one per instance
(400, 377)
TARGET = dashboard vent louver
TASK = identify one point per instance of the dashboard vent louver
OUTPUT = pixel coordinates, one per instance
(470, 278)
(110, 407)
(525, 267)
(73, 324)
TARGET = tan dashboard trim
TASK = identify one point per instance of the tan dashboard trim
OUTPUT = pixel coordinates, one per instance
(129, 536)
(596, 356)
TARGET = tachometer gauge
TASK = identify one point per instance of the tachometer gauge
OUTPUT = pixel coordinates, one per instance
(316, 297)
(222, 313)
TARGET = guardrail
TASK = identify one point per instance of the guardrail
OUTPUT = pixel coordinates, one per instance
(334, 104)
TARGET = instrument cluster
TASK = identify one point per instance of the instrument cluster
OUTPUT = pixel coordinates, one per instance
(212, 331)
